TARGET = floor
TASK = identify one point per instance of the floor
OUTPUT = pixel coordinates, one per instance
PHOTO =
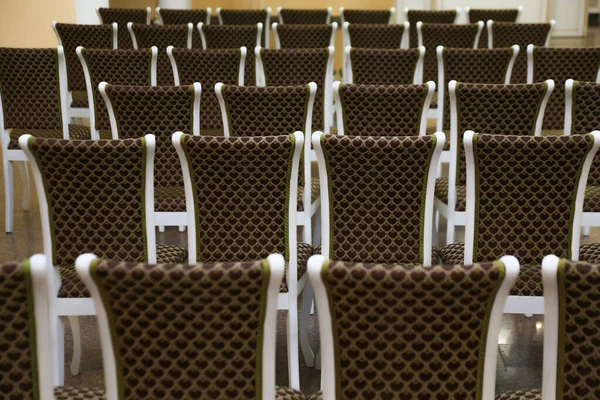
(520, 341)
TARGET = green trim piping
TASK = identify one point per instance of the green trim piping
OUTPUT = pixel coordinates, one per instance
(420, 117)
(562, 306)
(424, 200)
(183, 141)
(459, 133)
(476, 221)
(144, 227)
(288, 181)
(192, 120)
(58, 87)
(26, 271)
(329, 189)
(537, 111)
(574, 106)
(227, 111)
(261, 325)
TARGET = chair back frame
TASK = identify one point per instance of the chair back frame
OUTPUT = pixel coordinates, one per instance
(519, 12)
(490, 24)
(134, 40)
(266, 24)
(161, 22)
(349, 76)
(391, 21)
(200, 28)
(328, 21)
(334, 27)
(148, 11)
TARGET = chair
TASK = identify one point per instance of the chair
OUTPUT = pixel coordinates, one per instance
(384, 66)
(135, 111)
(161, 36)
(208, 67)
(428, 17)
(234, 37)
(495, 14)
(291, 67)
(582, 64)
(382, 110)
(171, 16)
(493, 109)
(33, 101)
(381, 17)
(289, 36)
(525, 197)
(71, 36)
(118, 67)
(506, 34)
(122, 16)
(403, 331)
(241, 201)
(94, 196)
(293, 16)
(247, 17)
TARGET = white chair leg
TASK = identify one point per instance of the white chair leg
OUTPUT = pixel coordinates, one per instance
(181, 228)
(318, 360)
(450, 228)
(161, 228)
(60, 350)
(586, 230)
(317, 229)
(25, 181)
(307, 298)
(76, 360)
(9, 195)
(292, 345)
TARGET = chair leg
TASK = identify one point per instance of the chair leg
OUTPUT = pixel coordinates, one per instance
(60, 350)
(307, 351)
(76, 360)
(586, 231)
(292, 345)
(317, 229)
(9, 195)
(450, 228)
(181, 228)
(25, 181)
(161, 228)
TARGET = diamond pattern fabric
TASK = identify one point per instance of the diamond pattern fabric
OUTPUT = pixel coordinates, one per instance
(441, 192)
(533, 394)
(383, 66)
(290, 16)
(374, 36)
(304, 36)
(381, 17)
(427, 17)
(76, 132)
(245, 17)
(122, 16)
(592, 199)
(499, 15)
(590, 252)
(78, 393)
(183, 17)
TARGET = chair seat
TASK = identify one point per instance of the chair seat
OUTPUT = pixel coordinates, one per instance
(169, 199)
(532, 394)
(81, 102)
(553, 132)
(441, 192)
(73, 288)
(315, 396)
(105, 135)
(435, 256)
(590, 253)
(315, 192)
(592, 199)
(77, 132)
(284, 393)
(305, 250)
(77, 393)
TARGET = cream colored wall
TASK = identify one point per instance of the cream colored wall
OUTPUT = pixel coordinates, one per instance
(27, 23)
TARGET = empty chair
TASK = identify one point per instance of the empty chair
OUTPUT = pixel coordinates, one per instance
(515, 110)
(119, 67)
(71, 36)
(495, 14)
(123, 16)
(171, 16)
(382, 110)
(400, 331)
(428, 17)
(293, 16)
(380, 17)
(161, 37)
(384, 66)
(242, 206)
(208, 67)
(247, 17)
(506, 34)
(525, 196)
(304, 36)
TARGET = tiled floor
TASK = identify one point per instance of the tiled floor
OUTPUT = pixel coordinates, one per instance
(519, 343)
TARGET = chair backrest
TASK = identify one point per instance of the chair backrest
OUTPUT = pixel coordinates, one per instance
(376, 36)
(473, 66)
(241, 196)
(162, 36)
(293, 16)
(292, 67)
(506, 34)
(494, 14)
(525, 195)
(382, 17)
(289, 36)
(171, 16)
(391, 181)
(208, 67)
(71, 36)
(33, 90)
(204, 331)
(382, 110)
(582, 64)
(123, 16)
(391, 331)
(463, 36)
(428, 17)
(95, 196)
(118, 67)
(247, 17)
(384, 66)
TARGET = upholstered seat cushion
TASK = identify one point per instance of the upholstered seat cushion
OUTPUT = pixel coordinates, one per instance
(73, 287)
(315, 396)
(592, 199)
(304, 252)
(79, 132)
(590, 253)
(435, 256)
(169, 199)
(284, 393)
(441, 192)
(553, 132)
(77, 393)
(81, 102)
(314, 193)
(532, 394)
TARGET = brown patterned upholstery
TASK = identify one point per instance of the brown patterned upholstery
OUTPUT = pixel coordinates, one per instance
(590, 252)
(383, 66)
(245, 17)
(381, 17)
(183, 17)
(208, 67)
(314, 193)
(285, 393)
(304, 36)
(374, 36)
(376, 192)
(485, 14)
(506, 34)
(122, 16)
(78, 393)
(448, 35)
(427, 17)
(592, 198)
(161, 36)
(315, 396)
(428, 345)
(441, 192)
(293, 16)
(76, 132)
(370, 110)
(89, 36)
(118, 67)
(532, 394)
(292, 67)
